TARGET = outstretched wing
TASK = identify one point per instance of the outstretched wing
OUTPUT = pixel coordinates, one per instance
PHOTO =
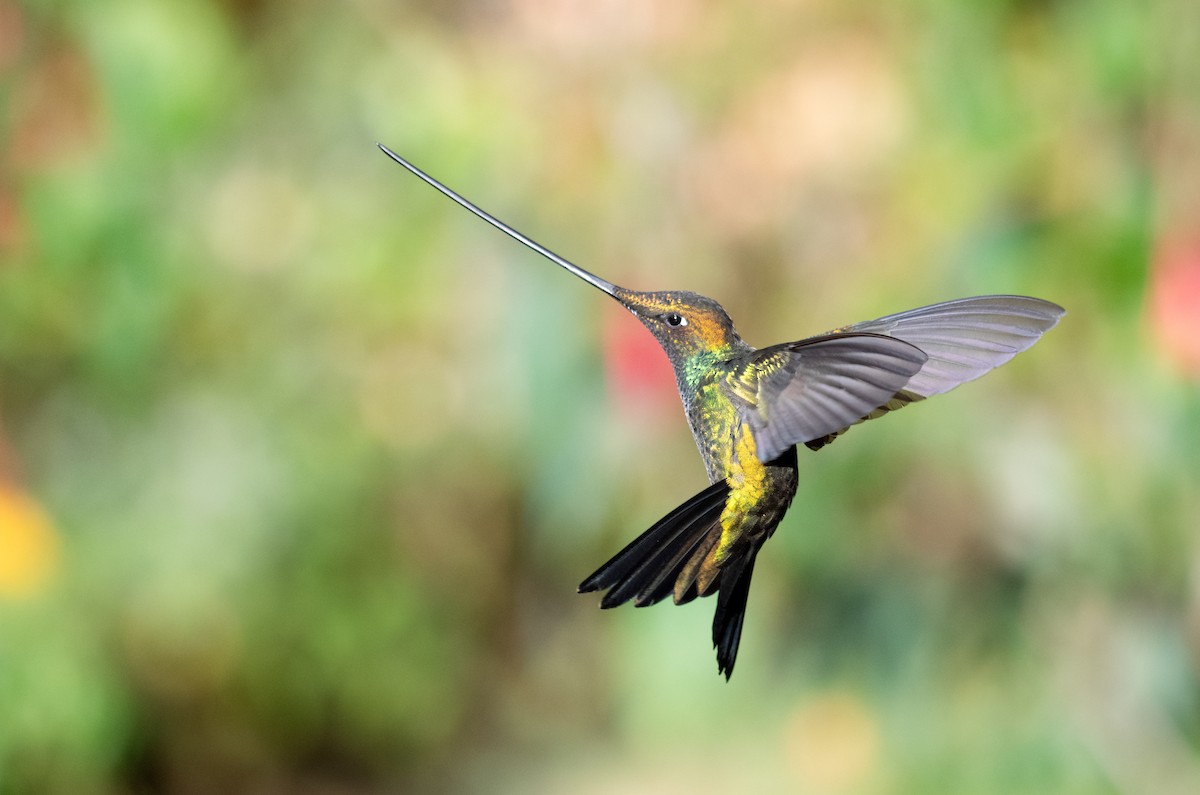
(800, 391)
(963, 339)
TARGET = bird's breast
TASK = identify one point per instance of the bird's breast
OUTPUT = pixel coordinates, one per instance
(759, 493)
(729, 451)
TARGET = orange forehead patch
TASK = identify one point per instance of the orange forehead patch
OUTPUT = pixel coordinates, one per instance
(710, 329)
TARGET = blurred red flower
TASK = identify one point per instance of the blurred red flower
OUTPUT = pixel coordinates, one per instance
(636, 369)
(1174, 304)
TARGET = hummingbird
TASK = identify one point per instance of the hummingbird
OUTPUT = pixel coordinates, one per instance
(749, 410)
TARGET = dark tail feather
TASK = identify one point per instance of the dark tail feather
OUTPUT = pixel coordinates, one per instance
(667, 558)
(682, 583)
(647, 567)
(731, 609)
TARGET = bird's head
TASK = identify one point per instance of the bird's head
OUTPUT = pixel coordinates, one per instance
(684, 323)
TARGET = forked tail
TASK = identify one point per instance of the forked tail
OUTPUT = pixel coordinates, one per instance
(665, 561)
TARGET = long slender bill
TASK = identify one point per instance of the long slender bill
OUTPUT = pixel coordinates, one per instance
(590, 278)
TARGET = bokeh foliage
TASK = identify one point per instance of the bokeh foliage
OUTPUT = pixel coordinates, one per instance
(300, 464)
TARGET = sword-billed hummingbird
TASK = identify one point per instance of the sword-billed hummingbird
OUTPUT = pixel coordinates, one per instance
(749, 408)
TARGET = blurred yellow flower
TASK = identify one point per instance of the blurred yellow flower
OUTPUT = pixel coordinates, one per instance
(29, 547)
(832, 743)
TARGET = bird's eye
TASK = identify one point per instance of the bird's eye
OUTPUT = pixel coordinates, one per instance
(675, 319)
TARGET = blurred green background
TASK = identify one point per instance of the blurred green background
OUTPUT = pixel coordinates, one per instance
(300, 464)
